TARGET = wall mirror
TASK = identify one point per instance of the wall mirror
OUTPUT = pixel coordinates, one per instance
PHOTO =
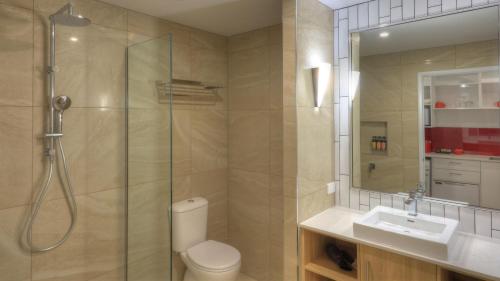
(426, 107)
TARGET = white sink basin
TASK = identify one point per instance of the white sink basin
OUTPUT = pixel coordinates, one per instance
(425, 235)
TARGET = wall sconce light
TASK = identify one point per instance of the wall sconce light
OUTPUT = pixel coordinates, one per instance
(320, 82)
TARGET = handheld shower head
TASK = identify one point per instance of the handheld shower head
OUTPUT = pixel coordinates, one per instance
(61, 103)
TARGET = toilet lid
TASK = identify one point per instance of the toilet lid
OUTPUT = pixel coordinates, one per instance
(214, 255)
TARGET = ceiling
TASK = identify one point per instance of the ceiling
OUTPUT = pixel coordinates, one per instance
(471, 26)
(337, 4)
(224, 17)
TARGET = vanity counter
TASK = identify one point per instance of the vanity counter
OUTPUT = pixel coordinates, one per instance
(471, 254)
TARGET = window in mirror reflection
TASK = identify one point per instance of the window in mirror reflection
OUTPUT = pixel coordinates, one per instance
(426, 107)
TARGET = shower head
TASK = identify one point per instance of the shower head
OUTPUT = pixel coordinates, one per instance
(70, 20)
(65, 16)
(61, 103)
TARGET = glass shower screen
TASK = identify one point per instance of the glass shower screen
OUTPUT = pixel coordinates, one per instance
(149, 160)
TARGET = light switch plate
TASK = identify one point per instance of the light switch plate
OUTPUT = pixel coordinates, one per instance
(330, 187)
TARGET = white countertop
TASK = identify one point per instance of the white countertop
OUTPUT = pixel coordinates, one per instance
(471, 254)
(465, 156)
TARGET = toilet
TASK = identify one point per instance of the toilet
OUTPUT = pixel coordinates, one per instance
(206, 260)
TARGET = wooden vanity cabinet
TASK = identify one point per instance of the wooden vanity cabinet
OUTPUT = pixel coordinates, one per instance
(379, 265)
(372, 264)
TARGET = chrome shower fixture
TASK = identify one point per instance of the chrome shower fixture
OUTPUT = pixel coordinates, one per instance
(54, 150)
(61, 103)
(65, 16)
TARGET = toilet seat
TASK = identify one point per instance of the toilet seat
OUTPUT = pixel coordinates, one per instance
(213, 256)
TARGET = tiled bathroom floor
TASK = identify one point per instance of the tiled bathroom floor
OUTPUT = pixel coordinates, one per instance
(244, 277)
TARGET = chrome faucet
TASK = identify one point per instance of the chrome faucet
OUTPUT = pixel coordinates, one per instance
(412, 199)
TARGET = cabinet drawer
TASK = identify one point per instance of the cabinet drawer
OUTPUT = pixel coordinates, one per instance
(461, 165)
(456, 176)
(456, 191)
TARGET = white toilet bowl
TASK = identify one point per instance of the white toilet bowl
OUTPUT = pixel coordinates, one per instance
(211, 261)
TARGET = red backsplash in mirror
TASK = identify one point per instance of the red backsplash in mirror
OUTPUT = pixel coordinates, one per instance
(485, 141)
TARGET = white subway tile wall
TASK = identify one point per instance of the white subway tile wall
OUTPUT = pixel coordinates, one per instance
(372, 14)
(386, 200)
(374, 202)
(483, 222)
(424, 207)
(344, 190)
(364, 197)
(354, 200)
(466, 220)
(364, 207)
(437, 209)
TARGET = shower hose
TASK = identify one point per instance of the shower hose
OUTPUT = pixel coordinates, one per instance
(70, 200)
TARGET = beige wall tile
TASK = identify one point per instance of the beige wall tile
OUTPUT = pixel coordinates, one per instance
(210, 182)
(217, 216)
(94, 248)
(16, 55)
(289, 251)
(249, 40)
(248, 196)
(209, 140)
(315, 144)
(178, 268)
(27, 4)
(410, 134)
(106, 149)
(91, 70)
(15, 262)
(385, 87)
(476, 50)
(148, 204)
(113, 275)
(430, 55)
(276, 143)
(209, 65)
(276, 35)
(148, 143)
(249, 141)
(152, 267)
(314, 203)
(144, 24)
(250, 93)
(290, 138)
(205, 40)
(181, 142)
(182, 188)
(290, 240)
(411, 174)
(16, 151)
(249, 220)
(249, 63)
(181, 62)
